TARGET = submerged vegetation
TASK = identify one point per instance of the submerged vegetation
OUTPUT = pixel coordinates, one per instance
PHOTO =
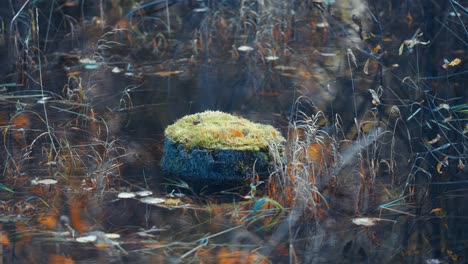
(369, 97)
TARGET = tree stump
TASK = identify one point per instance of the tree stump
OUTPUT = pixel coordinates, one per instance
(214, 146)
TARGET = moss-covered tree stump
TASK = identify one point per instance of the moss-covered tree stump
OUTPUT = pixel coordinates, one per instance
(216, 146)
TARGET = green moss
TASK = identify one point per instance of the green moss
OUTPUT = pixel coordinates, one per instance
(218, 130)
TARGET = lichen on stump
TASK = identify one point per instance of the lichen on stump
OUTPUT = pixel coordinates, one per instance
(217, 146)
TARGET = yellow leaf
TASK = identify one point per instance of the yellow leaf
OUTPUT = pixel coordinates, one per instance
(455, 62)
(376, 49)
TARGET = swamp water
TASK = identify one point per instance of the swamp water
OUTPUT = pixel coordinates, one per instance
(90, 86)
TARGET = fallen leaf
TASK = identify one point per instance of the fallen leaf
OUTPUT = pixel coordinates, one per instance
(173, 201)
(454, 62)
(144, 193)
(86, 239)
(272, 58)
(4, 240)
(47, 181)
(152, 200)
(112, 235)
(365, 221)
(126, 195)
(245, 48)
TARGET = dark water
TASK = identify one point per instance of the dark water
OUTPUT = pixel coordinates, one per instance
(400, 169)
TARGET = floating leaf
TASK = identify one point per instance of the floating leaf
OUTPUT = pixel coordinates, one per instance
(43, 100)
(272, 58)
(365, 221)
(454, 62)
(47, 181)
(4, 240)
(322, 25)
(87, 61)
(152, 200)
(126, 195)
(144, 193)
(86, 239)
(200, 9)
(112, 235)
(173, 201)
(376, 49)
(434, 261)
(48, 220)
(438, 211)
(245, 48)
(410, 43)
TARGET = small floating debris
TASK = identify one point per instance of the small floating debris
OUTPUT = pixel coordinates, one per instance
(201, 9)
(87, 61)
(365, 221)
(272, 58)
(369, 221)
(43, 100)
(86, 239)
(327, 54)
(245, 48)
(322, 25)
(144, 193)
(112, 235)
(126, 195)
(152, 200)
(116, 70)
(89, 64)
(452, 63)
(44, 182)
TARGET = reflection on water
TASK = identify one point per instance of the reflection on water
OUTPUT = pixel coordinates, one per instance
(374, 165)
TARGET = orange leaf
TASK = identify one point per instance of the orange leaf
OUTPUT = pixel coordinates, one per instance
(75, 207)
(48, 220)
(59, 259)
(376, 49)
(21, 120)
(4, 240)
